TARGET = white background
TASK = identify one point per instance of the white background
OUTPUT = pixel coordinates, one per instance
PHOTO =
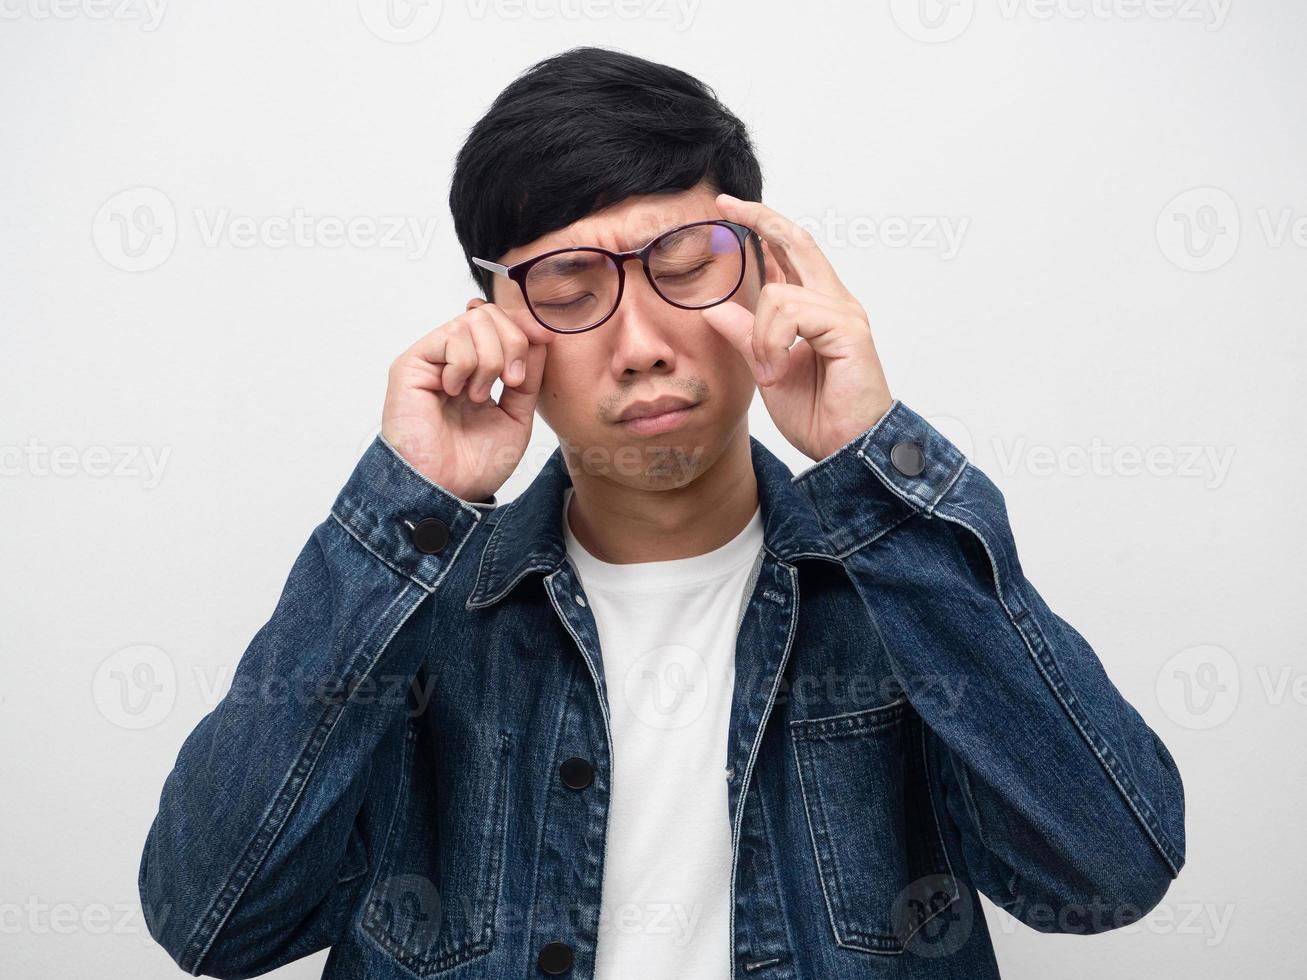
(1127, 181)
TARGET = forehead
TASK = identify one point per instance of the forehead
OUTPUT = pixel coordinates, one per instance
(627, 224)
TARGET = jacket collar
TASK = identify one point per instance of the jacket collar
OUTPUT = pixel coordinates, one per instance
(528, 535)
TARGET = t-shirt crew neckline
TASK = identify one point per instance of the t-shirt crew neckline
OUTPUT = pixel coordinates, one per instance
(670, 573)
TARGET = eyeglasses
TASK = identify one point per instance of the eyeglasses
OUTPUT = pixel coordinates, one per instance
(571, 290)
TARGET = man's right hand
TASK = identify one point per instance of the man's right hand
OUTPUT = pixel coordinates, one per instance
(438, 413)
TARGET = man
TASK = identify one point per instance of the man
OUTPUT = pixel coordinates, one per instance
(674, 711)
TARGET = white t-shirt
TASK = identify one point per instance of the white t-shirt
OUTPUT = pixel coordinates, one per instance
(667, 638)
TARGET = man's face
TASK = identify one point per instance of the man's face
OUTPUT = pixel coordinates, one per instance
(647, 349)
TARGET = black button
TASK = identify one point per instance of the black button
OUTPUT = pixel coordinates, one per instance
(907, 458)
(555, 958)
(576, 773)
(430, 535)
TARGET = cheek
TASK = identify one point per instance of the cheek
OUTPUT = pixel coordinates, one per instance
(727, 375)
(566, 392)
(727, 362)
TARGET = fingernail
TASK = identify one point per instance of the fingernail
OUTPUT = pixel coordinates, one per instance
(517, 370)
(764, 371)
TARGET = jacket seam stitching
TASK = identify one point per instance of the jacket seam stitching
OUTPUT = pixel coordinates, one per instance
(939, 835)
(738, 817)
(1084, 726)
(853, 549)
(768, 832)
(308, 758)
(349, 529)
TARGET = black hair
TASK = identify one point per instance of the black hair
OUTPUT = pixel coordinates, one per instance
(581, 131)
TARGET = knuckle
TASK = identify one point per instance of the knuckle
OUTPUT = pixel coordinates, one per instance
(490, 366)
(802, 236)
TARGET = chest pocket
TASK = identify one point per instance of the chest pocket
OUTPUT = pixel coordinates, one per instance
(433, 902)
(875, 836)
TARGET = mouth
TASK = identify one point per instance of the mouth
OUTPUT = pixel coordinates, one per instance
(663, 421)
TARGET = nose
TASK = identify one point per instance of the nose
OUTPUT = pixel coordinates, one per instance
(640, 344)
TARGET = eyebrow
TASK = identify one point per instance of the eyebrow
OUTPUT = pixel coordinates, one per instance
(661, 231)
(565, 264)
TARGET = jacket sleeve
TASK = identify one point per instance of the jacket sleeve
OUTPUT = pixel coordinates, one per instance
(1069, 808)
(253, 859)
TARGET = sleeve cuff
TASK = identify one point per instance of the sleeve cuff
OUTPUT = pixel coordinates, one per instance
(901, 460)
(415, 526)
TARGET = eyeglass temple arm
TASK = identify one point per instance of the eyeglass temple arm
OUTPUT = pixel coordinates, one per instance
(492, 266)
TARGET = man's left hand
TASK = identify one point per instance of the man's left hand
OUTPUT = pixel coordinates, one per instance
(829, 386)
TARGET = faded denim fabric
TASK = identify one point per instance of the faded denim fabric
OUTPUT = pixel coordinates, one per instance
(911, 723)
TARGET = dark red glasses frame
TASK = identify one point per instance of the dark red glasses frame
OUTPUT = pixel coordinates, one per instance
(518, 270)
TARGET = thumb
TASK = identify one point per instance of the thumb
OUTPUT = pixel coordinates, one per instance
(735, 323)
(520, 402)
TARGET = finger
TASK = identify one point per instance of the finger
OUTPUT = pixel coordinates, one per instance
(489, 353)
(513, 341)
(797, 251)
(775, 327)
(423, 364)
(519, 401)
(774, 330)
(459, 355)
(827, 330)
(734, 322)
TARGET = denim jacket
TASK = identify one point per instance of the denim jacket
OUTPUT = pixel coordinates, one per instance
(393, 773)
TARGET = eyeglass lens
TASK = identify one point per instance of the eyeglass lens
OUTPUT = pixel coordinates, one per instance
(696, 266)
